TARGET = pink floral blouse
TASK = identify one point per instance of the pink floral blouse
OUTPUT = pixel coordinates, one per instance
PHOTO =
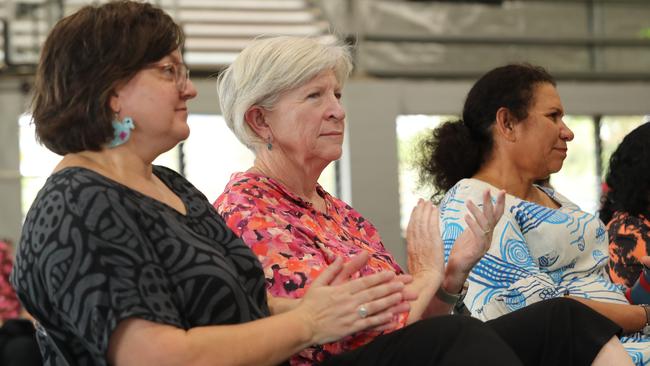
(9, 305)
(295, 243)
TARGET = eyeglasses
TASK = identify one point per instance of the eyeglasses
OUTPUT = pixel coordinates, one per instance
(173, 71)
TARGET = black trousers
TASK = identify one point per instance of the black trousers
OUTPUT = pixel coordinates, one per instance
(18, 346)
(554, 332)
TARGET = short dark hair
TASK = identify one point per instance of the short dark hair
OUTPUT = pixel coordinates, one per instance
(628, 176)
(84, 58)
(456, 150)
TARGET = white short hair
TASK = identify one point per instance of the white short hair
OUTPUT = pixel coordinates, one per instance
(270, 66)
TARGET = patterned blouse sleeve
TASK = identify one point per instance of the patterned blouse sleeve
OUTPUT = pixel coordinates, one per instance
(281, 247)
(628, 242)
(84, 266)
(507, 278)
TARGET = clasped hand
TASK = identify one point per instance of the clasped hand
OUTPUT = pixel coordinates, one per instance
(331, 306)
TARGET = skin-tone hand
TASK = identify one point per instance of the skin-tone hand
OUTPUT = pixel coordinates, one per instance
(331, 312)
(351, 267)
(408, 294)
(425, 260)
(424, 247)
(426, 256)
(326, 313)
(280, 305)
(472, 244)
(357, 262)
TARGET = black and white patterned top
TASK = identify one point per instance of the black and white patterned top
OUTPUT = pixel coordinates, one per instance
(94, 252)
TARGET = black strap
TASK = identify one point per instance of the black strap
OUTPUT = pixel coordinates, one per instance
(461, 309)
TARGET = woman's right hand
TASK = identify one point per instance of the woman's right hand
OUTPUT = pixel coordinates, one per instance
(474, 242)
(332, 311)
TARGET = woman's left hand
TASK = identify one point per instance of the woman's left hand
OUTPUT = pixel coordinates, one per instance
(472, 244)
(425, 256)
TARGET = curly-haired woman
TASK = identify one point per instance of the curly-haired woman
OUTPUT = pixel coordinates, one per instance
(626, 207)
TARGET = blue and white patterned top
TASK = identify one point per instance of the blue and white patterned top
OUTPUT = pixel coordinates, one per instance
(537, 253)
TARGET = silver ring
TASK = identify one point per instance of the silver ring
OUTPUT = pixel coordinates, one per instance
(486, 232)
(362, 311)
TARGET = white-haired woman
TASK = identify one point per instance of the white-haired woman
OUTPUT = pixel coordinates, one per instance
(122, 262)
(281, 98)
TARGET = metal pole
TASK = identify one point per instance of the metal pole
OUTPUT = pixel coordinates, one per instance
(598, 143)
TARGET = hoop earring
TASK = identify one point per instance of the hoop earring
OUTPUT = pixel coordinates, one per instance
(121, 131)
(269, 145)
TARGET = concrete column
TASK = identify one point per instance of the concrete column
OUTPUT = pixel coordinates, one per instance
(369, 165)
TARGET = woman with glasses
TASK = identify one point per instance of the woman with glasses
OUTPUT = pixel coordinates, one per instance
(123, 262)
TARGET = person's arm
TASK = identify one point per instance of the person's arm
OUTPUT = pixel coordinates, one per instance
(499, 285)
(425, 258)
(325, 314)
(468, 249)
(507, 277)
(631, 318)
(624, 262)
(279, 305)
(287, 250)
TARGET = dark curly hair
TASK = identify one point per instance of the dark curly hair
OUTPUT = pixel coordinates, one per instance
(628, 176)
(457, 149)
(84, 58)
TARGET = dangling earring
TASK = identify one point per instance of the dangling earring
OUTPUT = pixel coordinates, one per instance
(121, 131)
(269, 145)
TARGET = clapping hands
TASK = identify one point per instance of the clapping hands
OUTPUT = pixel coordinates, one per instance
(336, 306)
(425, 248)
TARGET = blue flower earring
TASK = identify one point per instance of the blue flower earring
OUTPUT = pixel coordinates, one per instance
(121, 131)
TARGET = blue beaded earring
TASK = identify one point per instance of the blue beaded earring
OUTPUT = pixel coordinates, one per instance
(121, 131)
(269, 145)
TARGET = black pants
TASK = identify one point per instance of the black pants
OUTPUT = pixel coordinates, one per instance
(18, 346)
(554, 332)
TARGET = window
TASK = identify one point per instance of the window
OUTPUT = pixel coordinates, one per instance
(212, 153)
(612, 131)
(37, 162)
(410, 129)
(578, 180)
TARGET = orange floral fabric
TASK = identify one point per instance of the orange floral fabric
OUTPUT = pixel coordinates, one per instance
(629, 240)
(295, 243)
